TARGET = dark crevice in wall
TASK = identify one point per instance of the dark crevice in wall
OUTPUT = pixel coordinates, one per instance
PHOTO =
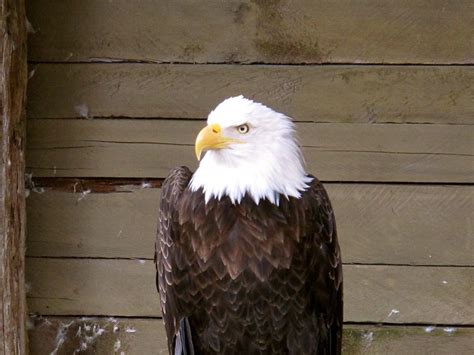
(138, 61)
(114, 184)
(151, 259)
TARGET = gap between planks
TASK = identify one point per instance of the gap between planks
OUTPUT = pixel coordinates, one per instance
(348, 323)
(204, 120)
(115, 184)
(151, 259)
(151, 62)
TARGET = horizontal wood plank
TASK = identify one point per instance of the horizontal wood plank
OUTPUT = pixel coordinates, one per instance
(92, 287)
(363, 94)
(333, 152)
(97, 335)
(299, 31)
(389, 294)
(361, 340)
(385, 224)
(137, 336)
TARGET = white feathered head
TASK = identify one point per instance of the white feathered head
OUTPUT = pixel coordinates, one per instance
(250, 149)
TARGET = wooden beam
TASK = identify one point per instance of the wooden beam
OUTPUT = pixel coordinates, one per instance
(138, 336)
(333, 152)
(13, 79)
(377, 223)
(388, 294)
(342, 93)
(285, 31)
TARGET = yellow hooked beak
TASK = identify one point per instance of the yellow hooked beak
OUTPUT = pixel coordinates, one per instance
(210, 137)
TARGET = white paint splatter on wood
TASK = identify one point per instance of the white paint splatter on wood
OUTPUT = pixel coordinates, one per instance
(117, 345)
(393, 312)
(429, 329)
(83, 195)
(82, 110)
(61, 336)
(368, 339)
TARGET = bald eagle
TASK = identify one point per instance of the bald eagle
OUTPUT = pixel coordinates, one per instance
(247, 256)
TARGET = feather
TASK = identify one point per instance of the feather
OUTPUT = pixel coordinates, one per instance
(237, 278)
(183, 344)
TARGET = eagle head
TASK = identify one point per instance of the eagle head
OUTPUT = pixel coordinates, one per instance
(250, 149)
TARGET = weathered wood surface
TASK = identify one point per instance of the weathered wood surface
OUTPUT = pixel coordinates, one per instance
(92, 287)
(333, 152)
(98, 335)
(363, 94)
(377, 224)
(135, 336)
(361, 340)
(302, 31)
(373, 138)
(13, 79)
(389, 294)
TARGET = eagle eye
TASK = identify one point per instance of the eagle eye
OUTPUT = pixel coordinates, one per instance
(243, 128)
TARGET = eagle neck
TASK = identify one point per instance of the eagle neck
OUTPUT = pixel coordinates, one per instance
(266, 177)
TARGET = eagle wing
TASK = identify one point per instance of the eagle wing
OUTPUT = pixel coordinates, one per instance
(328, 269)
(171, 191)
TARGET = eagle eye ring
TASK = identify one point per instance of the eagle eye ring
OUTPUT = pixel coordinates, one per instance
(243, 128)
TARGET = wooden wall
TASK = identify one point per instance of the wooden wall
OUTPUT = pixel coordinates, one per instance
(382, 93)
(13, 83)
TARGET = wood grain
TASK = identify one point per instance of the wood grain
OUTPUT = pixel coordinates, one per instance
(333, 152)
(377, 224)
(93, 225)
(372, 293)
(13, 80)
(402, 224)
(361, 340)
(300, 31)
(97, 335)
(92, 287)
(149, 337)
(363, 94)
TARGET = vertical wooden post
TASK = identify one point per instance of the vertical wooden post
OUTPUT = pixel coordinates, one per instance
(13, 80)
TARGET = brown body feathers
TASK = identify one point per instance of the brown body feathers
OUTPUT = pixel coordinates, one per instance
(247, 278)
